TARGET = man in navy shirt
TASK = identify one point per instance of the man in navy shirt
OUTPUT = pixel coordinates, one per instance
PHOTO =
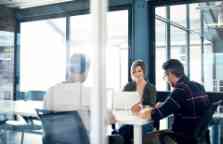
(187, 102)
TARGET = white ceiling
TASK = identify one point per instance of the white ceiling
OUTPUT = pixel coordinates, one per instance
(29, 3)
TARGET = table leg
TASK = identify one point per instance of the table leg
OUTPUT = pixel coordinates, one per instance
(216, 134)
(137, 134)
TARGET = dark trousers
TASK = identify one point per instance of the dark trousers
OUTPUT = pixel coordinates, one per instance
(126, 131)
(115, 139)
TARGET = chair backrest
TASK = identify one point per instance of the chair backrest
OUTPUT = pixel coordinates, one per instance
(20, 95)
(63, 128)
(206, 118)
(35, 95)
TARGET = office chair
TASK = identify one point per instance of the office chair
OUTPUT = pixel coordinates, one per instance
(63, 128)
(35, 95)
(20, 95)
(200, 136)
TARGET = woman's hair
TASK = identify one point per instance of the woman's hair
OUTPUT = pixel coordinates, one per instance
(137, 63)
(79, 63)
(174, 66)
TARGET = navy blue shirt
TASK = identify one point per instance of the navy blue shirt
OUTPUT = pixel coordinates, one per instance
(187, 102)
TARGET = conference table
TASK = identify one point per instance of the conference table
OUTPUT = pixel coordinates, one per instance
(126, 117)
(20, 107)
(28, 109)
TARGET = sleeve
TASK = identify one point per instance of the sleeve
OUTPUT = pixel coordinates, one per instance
(149, 97)
(170, 105)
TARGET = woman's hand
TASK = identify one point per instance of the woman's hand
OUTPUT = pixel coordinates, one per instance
(136, 108)
(145, 113)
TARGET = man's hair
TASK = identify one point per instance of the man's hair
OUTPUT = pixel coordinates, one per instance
(79, 63)
(174, 66)
(137, 63)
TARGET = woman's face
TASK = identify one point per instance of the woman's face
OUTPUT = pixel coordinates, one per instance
(137, 73)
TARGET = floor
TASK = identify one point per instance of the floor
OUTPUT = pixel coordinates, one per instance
(15, 138)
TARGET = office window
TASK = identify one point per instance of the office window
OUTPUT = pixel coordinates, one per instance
(116, 51)
(195, 44)
(161, 55)
(178, 46)
(6, 64)
(42, 54)
(203, 50)
(178, 14)
(209, 65)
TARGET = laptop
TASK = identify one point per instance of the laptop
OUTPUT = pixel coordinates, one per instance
(124, 100)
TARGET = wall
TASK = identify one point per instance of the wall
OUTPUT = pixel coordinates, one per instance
(7, 19)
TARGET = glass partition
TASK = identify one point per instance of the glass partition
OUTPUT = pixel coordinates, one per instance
(6, 64)
(194, 34)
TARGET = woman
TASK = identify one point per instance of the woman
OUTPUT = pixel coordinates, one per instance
(147, 93)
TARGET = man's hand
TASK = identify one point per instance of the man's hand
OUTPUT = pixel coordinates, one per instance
(136, 108)
(158, 104)
(145, 113)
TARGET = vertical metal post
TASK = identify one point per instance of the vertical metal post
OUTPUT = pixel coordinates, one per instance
(16, 68)
(188, 38)
(202, 45)
(168, 34)
(98, 99)
(67, 44)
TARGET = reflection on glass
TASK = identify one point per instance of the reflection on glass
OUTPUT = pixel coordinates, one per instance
(6, 64)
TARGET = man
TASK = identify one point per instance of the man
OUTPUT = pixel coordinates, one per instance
(78, 70)
(64, 96)
(187, 102)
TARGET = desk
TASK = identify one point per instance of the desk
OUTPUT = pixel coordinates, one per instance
(126, 117)
(23, 108)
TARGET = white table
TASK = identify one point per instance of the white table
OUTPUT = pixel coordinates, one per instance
(126, 117)
(23, 108)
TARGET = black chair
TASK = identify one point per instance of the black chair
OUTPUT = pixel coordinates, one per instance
(200, 136)
(201, 133)
(37, 95)
(63, 128)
